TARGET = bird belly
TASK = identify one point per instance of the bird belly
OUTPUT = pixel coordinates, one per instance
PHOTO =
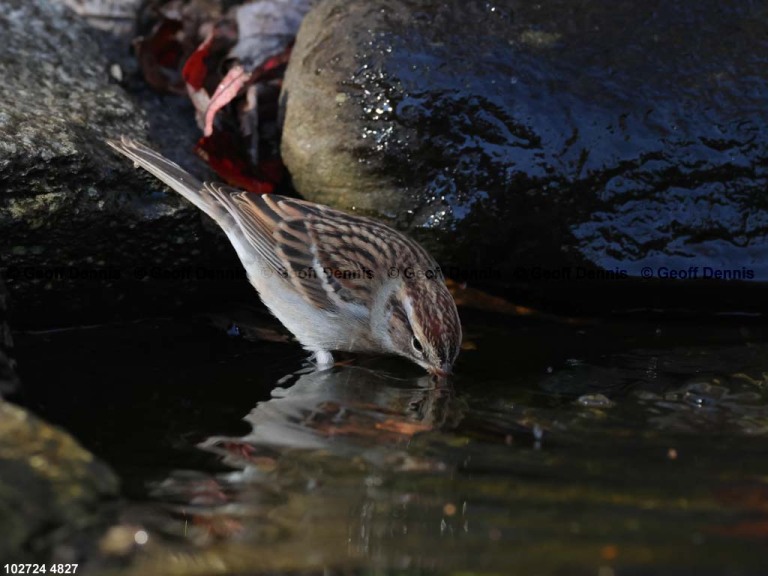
(346, 329)
(315, 328)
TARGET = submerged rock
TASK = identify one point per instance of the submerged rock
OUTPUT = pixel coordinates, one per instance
(51, 490)
(80, 229)
(536, 142)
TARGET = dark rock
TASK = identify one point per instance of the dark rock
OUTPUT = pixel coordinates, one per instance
(521, 139)
(52, 491)
(82, 230)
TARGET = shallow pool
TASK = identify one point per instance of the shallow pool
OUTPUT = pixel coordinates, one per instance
(560, 447)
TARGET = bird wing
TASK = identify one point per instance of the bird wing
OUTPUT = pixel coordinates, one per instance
(332, 258)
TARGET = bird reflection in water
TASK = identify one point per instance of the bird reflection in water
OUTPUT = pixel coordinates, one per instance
(324, 445)
(346, 411)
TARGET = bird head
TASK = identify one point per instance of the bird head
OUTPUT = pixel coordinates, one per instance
(424, 325)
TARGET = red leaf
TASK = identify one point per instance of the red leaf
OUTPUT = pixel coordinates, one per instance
(273, 67)
(228, 88)
(159, 56)
(226, 156)
(195, 69)
(272, 169)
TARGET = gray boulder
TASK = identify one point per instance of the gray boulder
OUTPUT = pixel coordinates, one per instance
(81, 230)
(531, 142)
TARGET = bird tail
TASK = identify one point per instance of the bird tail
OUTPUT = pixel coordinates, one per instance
(172, 174)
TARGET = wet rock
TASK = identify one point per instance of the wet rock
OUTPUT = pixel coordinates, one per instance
(52, 491)
(532, 140)
(81, 230)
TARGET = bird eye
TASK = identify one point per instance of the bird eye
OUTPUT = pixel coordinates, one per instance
(417, 346)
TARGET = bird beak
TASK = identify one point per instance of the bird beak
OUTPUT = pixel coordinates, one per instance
(440, 372)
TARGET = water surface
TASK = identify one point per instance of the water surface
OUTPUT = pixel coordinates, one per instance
(560, 447)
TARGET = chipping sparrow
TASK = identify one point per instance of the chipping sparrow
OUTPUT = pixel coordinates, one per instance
(337, 281)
